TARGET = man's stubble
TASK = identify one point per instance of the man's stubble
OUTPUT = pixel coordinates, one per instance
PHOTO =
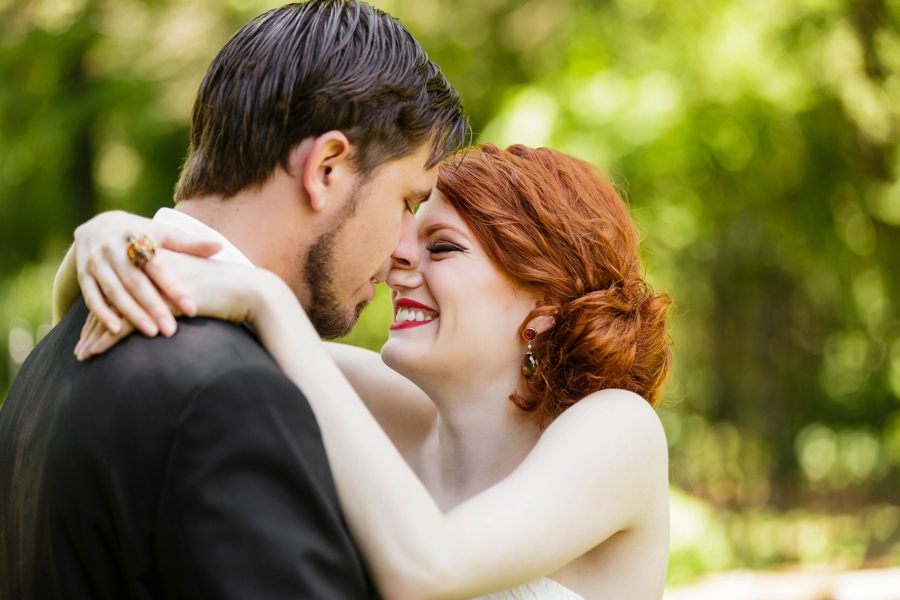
(328, 314)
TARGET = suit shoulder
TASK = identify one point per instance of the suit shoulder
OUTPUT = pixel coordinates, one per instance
(202, 350)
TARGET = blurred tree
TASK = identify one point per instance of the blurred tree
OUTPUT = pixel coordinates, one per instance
(756, 142)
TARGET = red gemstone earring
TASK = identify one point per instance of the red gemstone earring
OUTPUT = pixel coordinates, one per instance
(530, 364)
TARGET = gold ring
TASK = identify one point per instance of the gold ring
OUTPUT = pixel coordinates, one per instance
(140, 250)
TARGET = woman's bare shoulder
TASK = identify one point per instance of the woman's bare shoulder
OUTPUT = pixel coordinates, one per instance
(613, 410)
(612, 438)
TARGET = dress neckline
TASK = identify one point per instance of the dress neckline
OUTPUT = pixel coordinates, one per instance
(539, 589)
(560, 587)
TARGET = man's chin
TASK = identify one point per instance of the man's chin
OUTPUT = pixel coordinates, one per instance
(336, 323)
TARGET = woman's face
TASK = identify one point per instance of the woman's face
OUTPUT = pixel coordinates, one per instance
(456, 316)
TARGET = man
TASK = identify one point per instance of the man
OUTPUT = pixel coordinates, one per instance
(191, 466)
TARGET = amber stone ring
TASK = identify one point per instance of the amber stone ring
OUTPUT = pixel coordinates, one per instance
(140, 250)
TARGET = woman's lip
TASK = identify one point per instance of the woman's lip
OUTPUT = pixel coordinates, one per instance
(410, 303)
(408, 324)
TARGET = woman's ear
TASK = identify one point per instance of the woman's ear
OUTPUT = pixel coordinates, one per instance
(323, 167)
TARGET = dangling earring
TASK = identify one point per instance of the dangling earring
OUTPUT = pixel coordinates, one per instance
(530, 364)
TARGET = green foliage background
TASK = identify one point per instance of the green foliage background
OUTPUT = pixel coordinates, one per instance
(757, 143)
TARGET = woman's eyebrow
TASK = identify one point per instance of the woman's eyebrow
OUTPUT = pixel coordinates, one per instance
(429, 229)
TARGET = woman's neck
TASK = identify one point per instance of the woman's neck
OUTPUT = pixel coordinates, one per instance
(480, 438)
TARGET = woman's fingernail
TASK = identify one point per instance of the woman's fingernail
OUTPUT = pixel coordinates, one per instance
(188, 307)
(167, 327)
(149, 328)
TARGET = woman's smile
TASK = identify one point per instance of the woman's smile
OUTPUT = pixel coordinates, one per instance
(408, 313)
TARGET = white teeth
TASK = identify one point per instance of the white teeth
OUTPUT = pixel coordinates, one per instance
(410, 315)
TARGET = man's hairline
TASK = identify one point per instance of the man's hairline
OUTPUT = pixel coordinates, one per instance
(365, 175)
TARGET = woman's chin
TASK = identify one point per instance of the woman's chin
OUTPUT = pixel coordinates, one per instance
(403, 358)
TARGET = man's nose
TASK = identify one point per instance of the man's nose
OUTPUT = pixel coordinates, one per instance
(406, 254)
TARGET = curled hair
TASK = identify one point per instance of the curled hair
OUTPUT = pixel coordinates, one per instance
(302, 70)
(557, 228)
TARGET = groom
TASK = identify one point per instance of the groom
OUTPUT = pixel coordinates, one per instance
(191, 467)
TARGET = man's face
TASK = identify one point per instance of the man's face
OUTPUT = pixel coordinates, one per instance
(377, 223)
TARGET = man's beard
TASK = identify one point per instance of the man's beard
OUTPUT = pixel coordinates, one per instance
(326, 312)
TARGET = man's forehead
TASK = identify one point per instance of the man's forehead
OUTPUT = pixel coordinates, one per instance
(422, 186)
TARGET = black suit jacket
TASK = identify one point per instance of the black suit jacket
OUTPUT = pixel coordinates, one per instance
(181, 468)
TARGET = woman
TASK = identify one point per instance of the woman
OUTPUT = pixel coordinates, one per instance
(517, 445)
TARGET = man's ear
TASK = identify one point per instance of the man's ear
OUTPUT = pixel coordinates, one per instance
(323, 166)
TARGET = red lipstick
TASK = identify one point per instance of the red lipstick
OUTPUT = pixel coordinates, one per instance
(409, 305)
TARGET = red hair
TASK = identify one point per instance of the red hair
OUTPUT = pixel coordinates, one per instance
(556, 227)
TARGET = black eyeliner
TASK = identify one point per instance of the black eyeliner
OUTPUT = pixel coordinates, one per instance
(440, 248)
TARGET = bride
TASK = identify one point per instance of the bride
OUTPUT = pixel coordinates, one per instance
(505, 439)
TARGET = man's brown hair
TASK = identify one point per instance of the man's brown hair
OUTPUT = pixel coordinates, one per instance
(304, 69)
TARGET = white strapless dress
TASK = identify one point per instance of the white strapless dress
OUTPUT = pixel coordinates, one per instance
(540, 589)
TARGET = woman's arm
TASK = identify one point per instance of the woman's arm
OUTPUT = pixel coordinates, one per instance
(404, 411)
(65, 286)
(596, 471)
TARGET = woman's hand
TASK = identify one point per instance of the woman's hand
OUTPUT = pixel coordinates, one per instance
(114, 288)
(96, 338)
(214, 289)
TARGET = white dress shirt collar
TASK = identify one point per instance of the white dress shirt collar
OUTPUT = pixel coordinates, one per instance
(190, 225)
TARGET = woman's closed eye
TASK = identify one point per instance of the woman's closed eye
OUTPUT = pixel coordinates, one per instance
(443, 248)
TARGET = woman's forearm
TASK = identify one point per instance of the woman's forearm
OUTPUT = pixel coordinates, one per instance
(399, 528)
(404, 411)
(65, 286)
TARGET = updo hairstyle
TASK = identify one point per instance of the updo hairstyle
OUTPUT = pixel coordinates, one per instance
(556, 227)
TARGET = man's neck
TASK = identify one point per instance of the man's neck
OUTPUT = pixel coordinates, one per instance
(222, 215)
(272, 225)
